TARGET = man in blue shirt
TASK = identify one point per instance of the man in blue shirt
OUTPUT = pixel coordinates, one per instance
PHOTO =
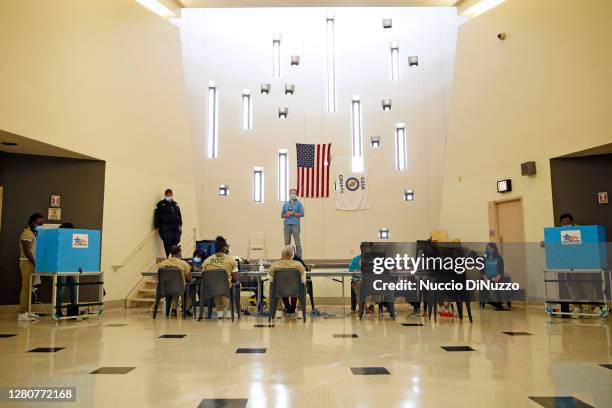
(292, 211)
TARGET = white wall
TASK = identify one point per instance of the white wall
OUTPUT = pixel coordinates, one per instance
(233, 48)
(543, 92)
(103, 78)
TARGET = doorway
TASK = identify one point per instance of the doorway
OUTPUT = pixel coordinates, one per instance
(507, 229)
(506, 221)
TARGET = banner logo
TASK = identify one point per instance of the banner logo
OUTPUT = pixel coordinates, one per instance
(571, 237)
(352, 184)
(80, 241)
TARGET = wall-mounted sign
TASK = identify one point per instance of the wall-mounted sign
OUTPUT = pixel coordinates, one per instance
(602, 197)
(504, 186)
(54, 214)
(56, 201)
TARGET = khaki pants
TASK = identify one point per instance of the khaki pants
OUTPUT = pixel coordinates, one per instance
(27, 269)
(221, 303)
(174, 304)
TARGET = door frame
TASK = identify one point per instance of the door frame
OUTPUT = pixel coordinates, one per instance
(494, 217)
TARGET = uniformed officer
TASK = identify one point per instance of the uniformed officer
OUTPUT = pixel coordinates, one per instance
(175, 261)
(27, 260)
(168, 221)
(222, 260)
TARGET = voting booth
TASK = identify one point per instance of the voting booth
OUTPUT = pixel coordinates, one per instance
(68, 250)
(576, 247)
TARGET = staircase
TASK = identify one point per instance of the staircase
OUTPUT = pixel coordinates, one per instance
(143, 293)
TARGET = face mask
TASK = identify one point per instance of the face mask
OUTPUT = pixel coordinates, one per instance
(168, 198)
(293, 196)
(197, 259)
(226, 251)
(37, 228)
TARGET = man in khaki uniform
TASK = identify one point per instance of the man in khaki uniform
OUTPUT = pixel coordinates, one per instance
(287, 262)
(175, 261)
(27, 260)
(222, 260)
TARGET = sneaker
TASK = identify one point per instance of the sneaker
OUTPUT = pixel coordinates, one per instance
(597, 310)
(220, 314)
(279, 314)
(228, 314)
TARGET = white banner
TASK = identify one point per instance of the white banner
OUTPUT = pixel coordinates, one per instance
(351, 188)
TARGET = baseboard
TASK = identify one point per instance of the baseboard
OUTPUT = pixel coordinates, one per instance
(114, 304)
(9, 309)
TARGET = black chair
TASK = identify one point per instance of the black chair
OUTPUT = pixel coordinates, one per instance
(214, 283)
(170, 282)
(381, 296)
(287, 283)
(191, 289)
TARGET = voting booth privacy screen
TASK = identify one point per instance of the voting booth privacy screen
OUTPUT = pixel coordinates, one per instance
(576, 247)
(68, 250)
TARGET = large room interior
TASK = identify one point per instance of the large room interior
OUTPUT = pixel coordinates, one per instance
(238, 137)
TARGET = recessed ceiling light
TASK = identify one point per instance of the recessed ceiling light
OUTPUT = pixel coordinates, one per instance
(9, 143)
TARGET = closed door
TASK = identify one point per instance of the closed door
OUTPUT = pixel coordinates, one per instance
(510, 221)
(508, 230)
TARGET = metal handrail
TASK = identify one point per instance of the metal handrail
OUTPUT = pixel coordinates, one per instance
(141, 245)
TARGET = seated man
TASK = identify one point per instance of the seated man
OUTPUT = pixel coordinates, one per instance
(222, 260)
(287, 262)
(175, 261)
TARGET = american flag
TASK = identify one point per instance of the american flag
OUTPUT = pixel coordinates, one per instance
(313, 162)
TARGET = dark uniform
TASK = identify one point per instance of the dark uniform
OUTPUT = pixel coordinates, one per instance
(168, 220)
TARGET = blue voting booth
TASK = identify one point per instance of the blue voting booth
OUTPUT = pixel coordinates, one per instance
(576, 247)
(68, 250)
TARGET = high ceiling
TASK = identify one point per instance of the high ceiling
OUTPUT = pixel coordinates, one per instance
(316, 3)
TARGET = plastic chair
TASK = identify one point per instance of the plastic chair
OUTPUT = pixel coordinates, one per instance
(287, 283)
(170, 283)
(214, 283)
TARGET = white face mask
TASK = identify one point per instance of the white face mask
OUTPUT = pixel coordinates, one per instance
(293, 196)
(168, 198)
(197, 259)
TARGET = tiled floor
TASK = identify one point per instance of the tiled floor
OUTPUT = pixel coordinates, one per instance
(305, 365)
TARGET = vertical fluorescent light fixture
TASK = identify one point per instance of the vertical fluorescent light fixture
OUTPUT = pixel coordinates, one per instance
(276, 64)
(331, 65)
(394, 60)
(213, 121)
(400, 147)
(158, 8)
(258, 185)
(356, 133)
(247, 110)
(481, 7)
(283, 175)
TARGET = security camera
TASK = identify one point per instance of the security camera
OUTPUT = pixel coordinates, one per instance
(501, 36)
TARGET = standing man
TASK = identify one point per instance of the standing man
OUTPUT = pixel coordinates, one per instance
(27, 260)
(292, 211)
(168, 221)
